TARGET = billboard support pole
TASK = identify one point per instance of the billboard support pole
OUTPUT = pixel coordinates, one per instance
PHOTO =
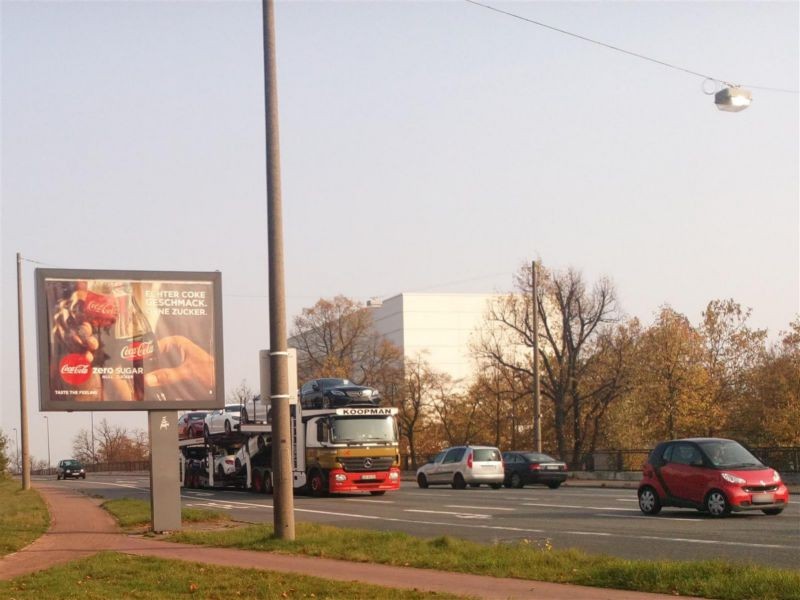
(23, 395)
(165, 492)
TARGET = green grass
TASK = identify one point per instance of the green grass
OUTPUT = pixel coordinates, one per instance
(23, 516)
(526, 560)
(131, 513)
(111, 575)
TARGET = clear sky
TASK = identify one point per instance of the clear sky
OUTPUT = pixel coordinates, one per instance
(426, 146)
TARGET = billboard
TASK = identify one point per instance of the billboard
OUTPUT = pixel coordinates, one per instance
(129, 340)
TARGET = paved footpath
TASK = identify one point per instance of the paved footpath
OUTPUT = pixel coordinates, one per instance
(79, 528)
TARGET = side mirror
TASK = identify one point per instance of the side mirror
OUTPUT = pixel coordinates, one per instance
(315, 387)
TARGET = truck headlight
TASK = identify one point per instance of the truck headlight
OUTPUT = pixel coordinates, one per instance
(340, 477)
(394, 475)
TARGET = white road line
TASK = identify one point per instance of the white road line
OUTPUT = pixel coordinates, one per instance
(576, 506)
(477, 507)
(648, 518)
(460, 515)
(368, 500)
(127, 486)
(626, 499)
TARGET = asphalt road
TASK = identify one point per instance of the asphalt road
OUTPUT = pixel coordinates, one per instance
(597, 520)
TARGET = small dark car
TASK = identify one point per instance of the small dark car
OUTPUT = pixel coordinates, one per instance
(330, 392)
(524, 468)
(70, 468)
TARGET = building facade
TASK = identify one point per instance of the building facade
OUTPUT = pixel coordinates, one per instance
(439, 327)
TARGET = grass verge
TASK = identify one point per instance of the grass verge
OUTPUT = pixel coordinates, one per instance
(134, 514)
(113, 575)
(709, 579)
(23, 516)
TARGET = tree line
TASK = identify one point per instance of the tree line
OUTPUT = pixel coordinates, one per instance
(607, 380)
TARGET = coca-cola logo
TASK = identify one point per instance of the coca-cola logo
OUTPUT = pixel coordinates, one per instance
(100, 306)
(74, 369)
(137, 350)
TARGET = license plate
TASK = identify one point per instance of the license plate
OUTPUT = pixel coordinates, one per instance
(372, 476)
(551, 467)
(763, 499)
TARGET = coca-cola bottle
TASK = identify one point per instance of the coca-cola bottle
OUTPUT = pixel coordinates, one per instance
(135, 344)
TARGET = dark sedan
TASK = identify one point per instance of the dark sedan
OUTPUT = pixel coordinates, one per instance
(523, 468)
(330, 392)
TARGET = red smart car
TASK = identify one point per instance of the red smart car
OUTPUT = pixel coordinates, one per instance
(712, 475)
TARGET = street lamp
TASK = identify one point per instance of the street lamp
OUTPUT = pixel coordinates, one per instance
(733, 99)
(47, 421)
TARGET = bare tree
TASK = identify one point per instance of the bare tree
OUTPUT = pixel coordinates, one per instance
(571, 318)
(241, 394)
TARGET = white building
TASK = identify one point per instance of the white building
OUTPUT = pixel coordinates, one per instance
(439, 326)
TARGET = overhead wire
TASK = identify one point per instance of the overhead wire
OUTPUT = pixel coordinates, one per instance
(624, 51)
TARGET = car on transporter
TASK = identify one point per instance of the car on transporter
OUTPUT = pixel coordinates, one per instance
(463, 466)
(713, 475)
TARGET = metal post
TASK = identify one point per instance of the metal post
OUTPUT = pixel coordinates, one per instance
(47, 422)
(94, 457)
(537, 405)
(283, 513)
(16, 456)
(23, 395)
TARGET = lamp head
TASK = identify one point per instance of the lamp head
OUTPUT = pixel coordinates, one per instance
(733, 99)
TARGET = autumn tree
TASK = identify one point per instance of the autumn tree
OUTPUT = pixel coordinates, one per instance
(421, 388)
(671, 382)
(573, 319)
(114, 443)
(4, 462)
(336, 338)
(770, 412)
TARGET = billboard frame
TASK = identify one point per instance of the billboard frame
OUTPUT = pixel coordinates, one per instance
(46, 403)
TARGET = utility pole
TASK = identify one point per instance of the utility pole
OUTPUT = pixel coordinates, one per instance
(94, 458)
(47, 421)
(16, 456)
(283, 484)
(23, 395)
(537, 404)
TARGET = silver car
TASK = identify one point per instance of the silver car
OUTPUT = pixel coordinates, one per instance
(462, 466)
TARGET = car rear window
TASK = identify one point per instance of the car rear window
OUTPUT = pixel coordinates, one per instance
(538, 458)
(486, 455)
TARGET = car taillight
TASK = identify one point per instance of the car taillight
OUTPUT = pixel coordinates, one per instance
(535, 467)
(469, 461)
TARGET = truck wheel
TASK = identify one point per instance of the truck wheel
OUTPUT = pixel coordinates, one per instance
(258, 482)
(316, 484)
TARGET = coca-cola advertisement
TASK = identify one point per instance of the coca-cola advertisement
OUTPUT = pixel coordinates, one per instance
(129, 340)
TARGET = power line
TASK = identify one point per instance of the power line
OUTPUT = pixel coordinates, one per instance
(628, 52)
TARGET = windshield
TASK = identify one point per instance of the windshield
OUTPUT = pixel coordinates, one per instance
(535, 457)
(363, 429)
(727, 454)
(328, 383)
(72, 464)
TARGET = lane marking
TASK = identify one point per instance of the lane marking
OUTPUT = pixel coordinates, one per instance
(369, 500)
(649, 518)
(477, 507)
(459, 515)
(576, 506)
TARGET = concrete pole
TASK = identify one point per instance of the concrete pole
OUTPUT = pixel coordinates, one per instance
(23, 395)
(537, 404)
(47, 422)
(283, 499)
